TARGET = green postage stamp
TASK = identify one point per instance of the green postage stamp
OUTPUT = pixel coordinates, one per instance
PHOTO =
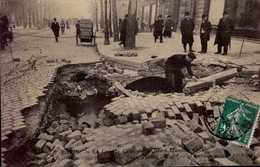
(238, 121)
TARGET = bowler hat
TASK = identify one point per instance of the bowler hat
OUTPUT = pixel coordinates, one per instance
(187, 13)
(192, 55)
(204, 15)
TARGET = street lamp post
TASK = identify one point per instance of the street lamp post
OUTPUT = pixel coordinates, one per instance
(106, 42)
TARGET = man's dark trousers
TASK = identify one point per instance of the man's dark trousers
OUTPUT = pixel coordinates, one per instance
(176, 79)
(220, 48)
(204, 42)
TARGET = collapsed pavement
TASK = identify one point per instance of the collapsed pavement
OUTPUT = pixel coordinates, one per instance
(171, 128)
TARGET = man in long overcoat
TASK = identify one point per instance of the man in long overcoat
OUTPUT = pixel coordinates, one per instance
(56, 29)
(123, 31)
(223, 36)
(205, 29)
(187, 28)
(158, 29)
(173, 74)
(168, 27)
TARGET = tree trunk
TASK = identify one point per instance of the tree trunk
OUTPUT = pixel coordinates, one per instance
(106, 42)
(131, 27)
(30, 16)
(115, 21)
(101, 14)
(110, 19)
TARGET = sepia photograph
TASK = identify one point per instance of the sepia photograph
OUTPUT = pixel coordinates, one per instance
(134, 83)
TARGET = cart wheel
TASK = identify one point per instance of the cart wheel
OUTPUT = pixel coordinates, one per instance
(94, 36)
(77, 40)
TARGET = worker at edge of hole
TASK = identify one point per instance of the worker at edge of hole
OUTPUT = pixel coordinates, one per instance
(173, 74)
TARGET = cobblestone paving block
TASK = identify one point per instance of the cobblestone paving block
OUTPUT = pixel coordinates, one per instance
(199, 106)
(144, 117)
(70, 143)
(64, 163)
(83, 147)
(216, 112)
(125, 154)
(185, 117)
(209, 109)
(39, 145)
(170, 114)
(183, 127)
(192, 104)
(105, 154)
(193, 145)
(121, 119)
(225, 162)
(217, 152)
(74, 135)
(179, 106)
(148, 128)
(47, 147)
(36, 163)
(64, 135)
(159, 122)
(50, 130)
(45, 136)
(187, 108)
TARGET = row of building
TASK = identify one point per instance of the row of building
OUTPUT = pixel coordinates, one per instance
(244, 13)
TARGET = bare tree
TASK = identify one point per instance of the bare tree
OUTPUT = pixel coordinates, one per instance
(101, 14)
(131, 24)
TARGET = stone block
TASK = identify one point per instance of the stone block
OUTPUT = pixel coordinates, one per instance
(59, 153)
(193, 145)
(148, 128)
(70, 143)
(179, 106)
(38, 163)
(187, 108)
(155, 114)
(184, 128)
(216, 112)
(47, 147)
(64, 163)
(225, 162)
(39, 145)
(217, 152)
(125, 154)
(64, 135)
(184, 117)
(74, 135)
(50, 130)
(105, 155)
(209, 109)
(159, 122)
(144, 117)
(170, 114)
(45, 136)
(199, 106)
(121, 119)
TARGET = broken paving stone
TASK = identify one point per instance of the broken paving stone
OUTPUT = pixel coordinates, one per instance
(159, 122)
(70, 143)
(105, 155)
(38, 163)
(193, 145)
(125, 154)
(45, 136)
(148, 128)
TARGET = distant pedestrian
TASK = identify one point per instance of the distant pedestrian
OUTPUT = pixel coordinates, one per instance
(67, 25)
(187, 28)
(168, 27)
(223, 36)
(123, 31)
(173, 74)
(158, 29)
(78, 29)
(136, 26)
(119, 24)
(205, 30)
(62, 27)
(56, 29)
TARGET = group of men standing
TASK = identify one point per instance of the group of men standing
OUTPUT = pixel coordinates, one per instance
(223, 37)
(4, 32)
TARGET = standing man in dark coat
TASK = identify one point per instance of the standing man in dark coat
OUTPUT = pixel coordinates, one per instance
(119, 24)
(136, 26)
(223, 36)
(158, 29)
(168, 27)
(205, 29)
(123, 31)
(187, 28)
(173, 73)
(56, 29)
